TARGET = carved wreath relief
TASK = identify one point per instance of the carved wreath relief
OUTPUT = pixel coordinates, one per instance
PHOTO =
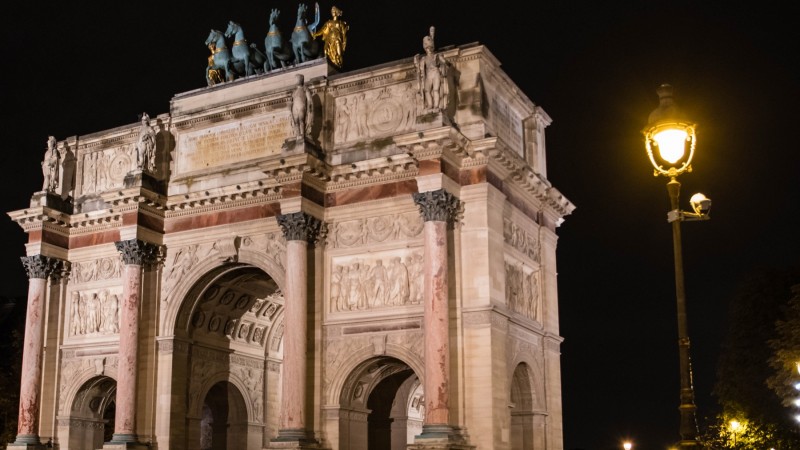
(94, 312)
(104, 170)
(351, 233)
(372, 282)
(368, 114)
(99, 269)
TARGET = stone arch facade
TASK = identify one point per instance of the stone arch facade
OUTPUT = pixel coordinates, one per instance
(417, 207)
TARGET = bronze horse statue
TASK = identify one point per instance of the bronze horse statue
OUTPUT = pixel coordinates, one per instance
(304, 45)
(247, 59)
(278, 50)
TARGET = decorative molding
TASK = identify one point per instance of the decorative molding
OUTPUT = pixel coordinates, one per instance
(100, 269)
(373, 230)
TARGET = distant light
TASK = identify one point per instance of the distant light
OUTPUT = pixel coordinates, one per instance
(627, 445)
(797, 417)
(797, 402)
(734, 425)
(671, 144)
(797, 386)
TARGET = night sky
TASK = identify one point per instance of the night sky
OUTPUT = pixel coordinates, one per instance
(69, 69)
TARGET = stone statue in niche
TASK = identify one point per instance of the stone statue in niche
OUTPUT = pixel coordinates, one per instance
(50, 166)
(146, 146)
(431, 71)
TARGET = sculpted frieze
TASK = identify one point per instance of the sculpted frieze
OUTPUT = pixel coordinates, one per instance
(526, 243)
(376, 280)
(94, 312)
(522, 289)
(106, 169)
(99, 269)
(364, 115)
(390, 227)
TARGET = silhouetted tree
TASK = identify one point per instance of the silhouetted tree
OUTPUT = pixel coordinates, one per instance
(743, 369)
(12, 333)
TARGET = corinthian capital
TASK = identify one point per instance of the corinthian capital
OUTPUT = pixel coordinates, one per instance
(40, 266)
(135, 251)
(299, 226)
(440, 206)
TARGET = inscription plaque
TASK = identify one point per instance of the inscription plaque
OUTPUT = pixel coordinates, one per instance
(231, 143)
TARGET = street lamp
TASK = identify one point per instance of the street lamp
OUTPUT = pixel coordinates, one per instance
(627, 445)
(670, 141)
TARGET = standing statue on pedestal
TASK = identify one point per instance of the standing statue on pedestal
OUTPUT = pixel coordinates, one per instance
(146, 146)
(431, 70)
(334, 34)
(50, 166)
(302, 108)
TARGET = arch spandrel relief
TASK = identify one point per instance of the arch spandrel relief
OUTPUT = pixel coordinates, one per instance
(75, 371)
(376, 281)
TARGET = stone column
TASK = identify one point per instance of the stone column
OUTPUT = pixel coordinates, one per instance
(39, 269)
(299, 229)
(439, 209)
(135, 255)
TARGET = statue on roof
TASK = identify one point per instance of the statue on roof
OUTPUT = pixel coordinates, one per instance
(50, 166)
(334, 34)
(146, 146)
(431, 72)
(304, 45)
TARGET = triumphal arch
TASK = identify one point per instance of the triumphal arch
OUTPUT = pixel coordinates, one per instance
(305, 258)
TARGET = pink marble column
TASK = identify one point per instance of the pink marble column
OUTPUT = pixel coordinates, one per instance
(299, 229)
(135, 255)
(439, 209)
(39, 269)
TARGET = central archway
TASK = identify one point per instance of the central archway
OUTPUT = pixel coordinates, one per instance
(380, 406)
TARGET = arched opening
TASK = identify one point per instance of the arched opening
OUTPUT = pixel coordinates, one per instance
(92, 414)
(381, 406)
(521, 408)
(224, 422)
(232, 316)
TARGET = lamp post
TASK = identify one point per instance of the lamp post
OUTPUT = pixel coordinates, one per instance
(670, 142)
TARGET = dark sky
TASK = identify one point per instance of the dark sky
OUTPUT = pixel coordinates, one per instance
(70, 69)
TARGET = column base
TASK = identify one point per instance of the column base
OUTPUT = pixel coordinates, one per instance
(294, 439)
(124, 442)
(440, 437)
(27, 442)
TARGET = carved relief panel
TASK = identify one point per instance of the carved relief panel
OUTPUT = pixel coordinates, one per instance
(106, 169)
(364, 115)
(94, 312)
(236, 316)
(373, 230)
(376, 280)
(97, 270)
(523, 241)
(523, 289)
